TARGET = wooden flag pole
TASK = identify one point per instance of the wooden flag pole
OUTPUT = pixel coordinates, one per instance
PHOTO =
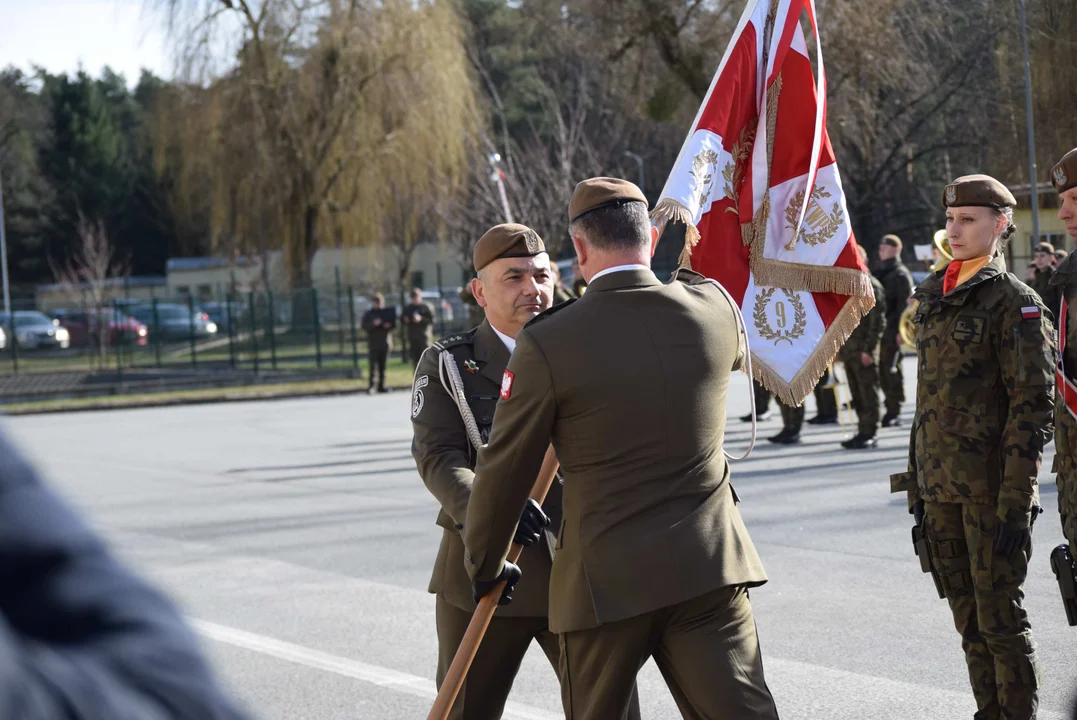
(484, 613)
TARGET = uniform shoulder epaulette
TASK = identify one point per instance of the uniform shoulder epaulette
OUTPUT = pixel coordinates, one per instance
(547, 313)
(455, 340)
(689, 276)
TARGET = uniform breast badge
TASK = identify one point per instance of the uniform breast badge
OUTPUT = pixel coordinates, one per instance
(471, 366)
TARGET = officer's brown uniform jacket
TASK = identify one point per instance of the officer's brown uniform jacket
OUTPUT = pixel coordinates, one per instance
(629, 383)
(445, 459)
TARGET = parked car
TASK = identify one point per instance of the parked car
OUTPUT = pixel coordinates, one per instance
(112, 325)
(219, 313)
(174, 322)
(35, 330)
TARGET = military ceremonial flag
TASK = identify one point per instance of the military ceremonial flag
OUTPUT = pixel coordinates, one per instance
(757, 185)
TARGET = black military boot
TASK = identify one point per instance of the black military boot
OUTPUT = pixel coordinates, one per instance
(891, 419)
(860, 441)
(758, 418)
(787, 436)
(823, 420)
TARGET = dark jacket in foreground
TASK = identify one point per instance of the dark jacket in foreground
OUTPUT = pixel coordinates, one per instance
(81, 638)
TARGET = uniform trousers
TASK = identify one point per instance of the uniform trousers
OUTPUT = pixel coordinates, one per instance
(985, 594)
(864, 391)
(706, 649)
(891, 379)
(378, 357)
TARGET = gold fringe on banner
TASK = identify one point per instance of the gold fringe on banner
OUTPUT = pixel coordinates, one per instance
(794, 392)
(669, 209)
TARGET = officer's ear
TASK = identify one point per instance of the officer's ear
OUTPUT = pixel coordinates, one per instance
(581, 250)
(478, 291)
(654, 239)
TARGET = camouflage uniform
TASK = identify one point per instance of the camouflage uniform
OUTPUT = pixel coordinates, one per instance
(1065, 279)
(983, 413)
(864, 381)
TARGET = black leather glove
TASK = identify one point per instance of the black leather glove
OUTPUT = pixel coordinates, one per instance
(532, 522)
(918, 512)
(1008, 540)
(510, 573)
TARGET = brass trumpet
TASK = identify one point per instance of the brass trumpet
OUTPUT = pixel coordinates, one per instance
(906, 328)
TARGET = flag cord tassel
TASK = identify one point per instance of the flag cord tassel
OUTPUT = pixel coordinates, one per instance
(669, 209)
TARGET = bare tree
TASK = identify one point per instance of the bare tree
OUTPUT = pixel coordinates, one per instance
(326, 100)
(85, 276)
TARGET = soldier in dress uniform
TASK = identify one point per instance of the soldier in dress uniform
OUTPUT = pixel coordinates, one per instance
(984, 402)
(1060, 255)
(418, 318)
(378, 322)
(1064, 178)
(456, 389)
(629, 383)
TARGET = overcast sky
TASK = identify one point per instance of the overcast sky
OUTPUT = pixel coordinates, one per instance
(59, 35)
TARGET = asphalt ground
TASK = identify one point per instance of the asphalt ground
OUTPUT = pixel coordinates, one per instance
(299, 539)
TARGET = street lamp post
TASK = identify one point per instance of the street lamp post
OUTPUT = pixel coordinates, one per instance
(639, 164)
(3, 253)
(1034, 190)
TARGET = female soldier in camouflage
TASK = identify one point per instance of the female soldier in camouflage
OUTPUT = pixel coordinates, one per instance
(984, 401)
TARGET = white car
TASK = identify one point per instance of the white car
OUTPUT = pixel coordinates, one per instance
(35, 330)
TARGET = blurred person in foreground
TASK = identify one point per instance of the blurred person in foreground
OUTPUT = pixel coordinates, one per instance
(81, 637)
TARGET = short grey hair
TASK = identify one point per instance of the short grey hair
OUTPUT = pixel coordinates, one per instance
(618, 227)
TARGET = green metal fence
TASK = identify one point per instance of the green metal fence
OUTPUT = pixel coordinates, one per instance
(313, 328)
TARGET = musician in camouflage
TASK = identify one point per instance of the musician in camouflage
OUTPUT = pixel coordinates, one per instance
(984, 398)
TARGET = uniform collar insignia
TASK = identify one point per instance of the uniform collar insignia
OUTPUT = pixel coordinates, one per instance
(472, 366)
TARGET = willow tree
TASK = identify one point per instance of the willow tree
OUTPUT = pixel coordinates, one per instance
(293, 141)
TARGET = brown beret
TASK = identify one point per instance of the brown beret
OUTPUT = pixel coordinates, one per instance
(1045, 247)
(1064, 174)
(601, 192)
(977, 190)
(892, 241)
(506, 241)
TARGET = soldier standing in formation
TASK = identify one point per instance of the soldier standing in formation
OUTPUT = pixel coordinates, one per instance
(1044, 258)
(456, 389)
(762, 403)
(1060, 255)
(897, 284)
(418, 317)
(1064, 178)
(378, 323)
(984, 399)
(653, 559)
(860, 354)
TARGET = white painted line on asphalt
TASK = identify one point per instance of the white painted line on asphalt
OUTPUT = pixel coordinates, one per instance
(365, 672)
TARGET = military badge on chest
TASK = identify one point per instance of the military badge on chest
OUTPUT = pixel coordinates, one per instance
(471, 366)
(968, 330)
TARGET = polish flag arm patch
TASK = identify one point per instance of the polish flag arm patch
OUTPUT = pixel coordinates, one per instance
(1029, 312)
(506, 385)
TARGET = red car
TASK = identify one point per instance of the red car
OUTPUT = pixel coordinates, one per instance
(84, 325)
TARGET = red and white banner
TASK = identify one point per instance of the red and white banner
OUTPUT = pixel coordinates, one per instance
(757, 184)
